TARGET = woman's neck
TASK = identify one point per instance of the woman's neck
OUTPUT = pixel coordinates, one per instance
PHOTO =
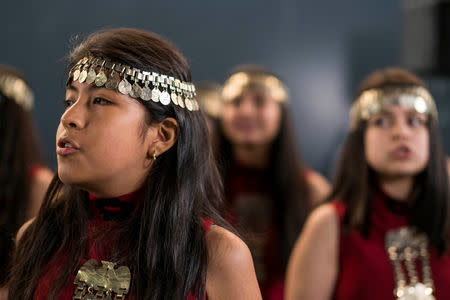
(398, 188)
(252, 155)
(110, 189)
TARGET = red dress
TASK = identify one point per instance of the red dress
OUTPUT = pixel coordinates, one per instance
(251, 209)
(102, 212)
(365, 271)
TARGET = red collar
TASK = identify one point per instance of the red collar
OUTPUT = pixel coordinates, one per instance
(115, 207)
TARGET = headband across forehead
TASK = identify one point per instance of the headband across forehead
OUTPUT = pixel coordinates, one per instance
(373, 101)
(16, 89)
(134, 82)
(238, 82)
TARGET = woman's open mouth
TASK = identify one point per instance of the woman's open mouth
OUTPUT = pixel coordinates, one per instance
(66, 147)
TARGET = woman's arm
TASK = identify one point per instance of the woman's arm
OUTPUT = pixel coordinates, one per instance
(230, 274)
(22, 229)
(320, 187)
(313, 266)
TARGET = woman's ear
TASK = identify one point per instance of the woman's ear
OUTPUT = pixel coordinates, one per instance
(166, 136)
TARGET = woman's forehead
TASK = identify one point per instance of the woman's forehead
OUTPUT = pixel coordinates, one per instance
(398, 110)
(254, 92)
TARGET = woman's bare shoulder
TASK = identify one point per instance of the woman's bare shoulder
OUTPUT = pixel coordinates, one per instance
(23, 228)
(230, 266)
(319, 185)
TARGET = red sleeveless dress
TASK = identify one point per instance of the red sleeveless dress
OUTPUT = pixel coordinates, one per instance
(365, 271)
(251, 208)
(103, 212)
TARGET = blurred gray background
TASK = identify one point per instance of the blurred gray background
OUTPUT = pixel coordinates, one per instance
(322, 49)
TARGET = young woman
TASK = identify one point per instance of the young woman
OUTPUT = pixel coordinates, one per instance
(210, 102)
(23, 177)
(385, 234)
(269, 191)
(133, 211)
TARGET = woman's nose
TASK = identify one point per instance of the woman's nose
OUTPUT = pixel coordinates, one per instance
(74, 116)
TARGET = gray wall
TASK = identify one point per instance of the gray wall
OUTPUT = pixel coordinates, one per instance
(320, 48)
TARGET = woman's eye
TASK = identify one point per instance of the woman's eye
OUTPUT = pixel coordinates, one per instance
(381, 122)
(68, 103)
(101, 101)
(416, 121)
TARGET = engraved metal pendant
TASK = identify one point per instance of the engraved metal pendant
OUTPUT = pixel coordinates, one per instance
(404, 247)
(174, 98)
(91, 76)
(164, 98)
(188, 104)
(112, 83)
(137, 90)
(105, 281)
(100, 79)
(76, 74)
(124, 87)
(416, 292)
(180, 101)
(155, 94)
(146, 93)
(83, 76)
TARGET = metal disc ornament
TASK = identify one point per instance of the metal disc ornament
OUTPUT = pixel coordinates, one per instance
(91, 76)
(112, 83)
(146, 93)
(164, 98)
(136, 91)
(180, 101)
(83, 76)
(155, 94)
(124, 87)
(100, 79)
(76, 75)
(188, 104)
(174, 98)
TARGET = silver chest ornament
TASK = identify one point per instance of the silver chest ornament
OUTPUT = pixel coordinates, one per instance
(101, 281)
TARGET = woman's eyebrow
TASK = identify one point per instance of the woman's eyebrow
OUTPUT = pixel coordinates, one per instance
(384, 112)
(72, 87)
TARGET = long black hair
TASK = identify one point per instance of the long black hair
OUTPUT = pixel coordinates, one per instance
(165, 241)
(286, 170)
(355, 179)
(19, 152)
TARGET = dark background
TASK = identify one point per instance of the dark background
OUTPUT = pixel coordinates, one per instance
(321, 48)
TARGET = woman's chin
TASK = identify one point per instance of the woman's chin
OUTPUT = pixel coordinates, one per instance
(68, 177)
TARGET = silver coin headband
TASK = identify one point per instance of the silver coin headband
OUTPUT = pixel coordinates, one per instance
(134, 82)
(16, 89)
(372, 101)
(238, 82)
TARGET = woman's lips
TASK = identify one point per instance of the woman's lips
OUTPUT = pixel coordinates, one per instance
(401, 153)
(66, 147)
(65, 151)
(245, 125)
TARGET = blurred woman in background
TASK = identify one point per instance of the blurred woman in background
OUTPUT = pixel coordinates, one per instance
(210, 102)
(385, 233)
(23, 177)
(268, 189)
